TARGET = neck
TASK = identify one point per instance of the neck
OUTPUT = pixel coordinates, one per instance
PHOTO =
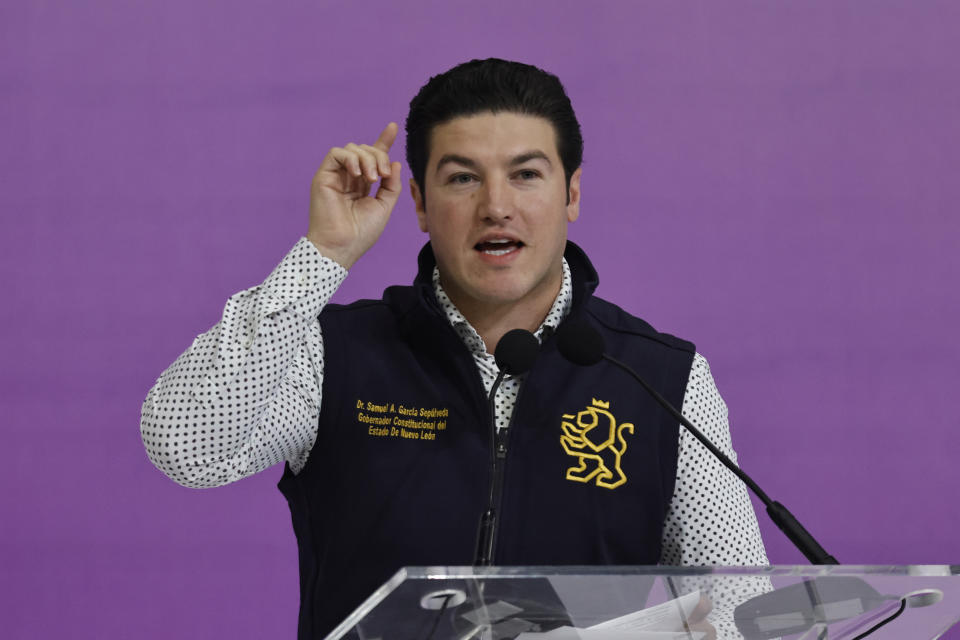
(491, 329)
(491, 321)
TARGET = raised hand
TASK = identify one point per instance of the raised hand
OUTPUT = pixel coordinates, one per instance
(345, 220)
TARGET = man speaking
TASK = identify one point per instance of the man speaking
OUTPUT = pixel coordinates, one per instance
(380, 408)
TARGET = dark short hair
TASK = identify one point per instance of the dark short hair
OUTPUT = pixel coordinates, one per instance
(496, 86)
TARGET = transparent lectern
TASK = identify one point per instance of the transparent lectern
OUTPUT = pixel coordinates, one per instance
(659, 603)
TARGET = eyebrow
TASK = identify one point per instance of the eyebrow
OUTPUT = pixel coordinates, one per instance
(523, 158)
(527, 156)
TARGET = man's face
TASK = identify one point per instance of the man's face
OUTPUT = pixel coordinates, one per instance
(497, 210)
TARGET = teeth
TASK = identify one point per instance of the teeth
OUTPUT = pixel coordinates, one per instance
(498, 246)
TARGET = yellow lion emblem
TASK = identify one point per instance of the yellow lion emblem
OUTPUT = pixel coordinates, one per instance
(593, 435)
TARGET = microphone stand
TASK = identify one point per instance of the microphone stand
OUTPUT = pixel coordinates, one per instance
(780, 515)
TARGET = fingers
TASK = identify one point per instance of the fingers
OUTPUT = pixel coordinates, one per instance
(390, 187)
(360, 165)
(704, 607)
(697, 620)
(374, 163)
(339, 158)
(387, 136)
(705, 628)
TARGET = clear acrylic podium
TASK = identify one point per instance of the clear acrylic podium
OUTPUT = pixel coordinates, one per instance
(613, 603)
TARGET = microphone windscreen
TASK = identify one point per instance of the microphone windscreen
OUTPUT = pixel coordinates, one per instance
(516, 351)
(580, 343)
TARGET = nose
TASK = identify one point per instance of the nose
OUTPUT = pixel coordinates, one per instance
(497, 200)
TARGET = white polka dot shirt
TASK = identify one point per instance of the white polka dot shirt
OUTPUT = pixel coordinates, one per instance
(246, 396)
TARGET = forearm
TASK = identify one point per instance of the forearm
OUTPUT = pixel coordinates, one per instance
(246, 394)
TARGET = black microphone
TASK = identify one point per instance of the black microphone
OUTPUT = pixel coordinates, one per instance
(515, 354)
(581, 344)
(516, 351)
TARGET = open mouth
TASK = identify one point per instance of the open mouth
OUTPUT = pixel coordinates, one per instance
(499, 247)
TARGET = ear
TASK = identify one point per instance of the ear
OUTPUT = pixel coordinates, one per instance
(418, 205)
(573, 194)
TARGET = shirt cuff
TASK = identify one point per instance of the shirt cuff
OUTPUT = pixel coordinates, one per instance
(304, 280)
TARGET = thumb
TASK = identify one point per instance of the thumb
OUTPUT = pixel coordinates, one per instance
(390, 187)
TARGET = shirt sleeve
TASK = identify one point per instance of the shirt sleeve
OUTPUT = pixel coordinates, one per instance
(710, 520)
(246, 394)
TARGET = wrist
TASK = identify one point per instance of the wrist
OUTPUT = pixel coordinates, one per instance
(341, 256)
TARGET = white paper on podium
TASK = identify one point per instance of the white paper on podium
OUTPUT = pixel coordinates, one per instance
(569, 633)
(661, 622)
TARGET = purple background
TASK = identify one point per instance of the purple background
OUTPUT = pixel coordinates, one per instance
(776, 181)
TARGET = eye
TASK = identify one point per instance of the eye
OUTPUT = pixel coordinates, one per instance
(528, 174)
(460, 178)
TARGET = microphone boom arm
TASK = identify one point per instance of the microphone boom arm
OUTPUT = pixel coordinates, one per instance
(780, 515)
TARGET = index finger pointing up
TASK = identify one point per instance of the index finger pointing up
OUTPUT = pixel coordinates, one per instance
(387, 136)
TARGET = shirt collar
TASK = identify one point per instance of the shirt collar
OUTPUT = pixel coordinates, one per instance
(558, 311)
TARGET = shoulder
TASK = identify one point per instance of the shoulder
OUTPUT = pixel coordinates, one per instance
(398, 315)
(396, 300)
(357, 307)
(615, 320)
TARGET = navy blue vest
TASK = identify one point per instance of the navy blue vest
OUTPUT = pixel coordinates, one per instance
(399, 473)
